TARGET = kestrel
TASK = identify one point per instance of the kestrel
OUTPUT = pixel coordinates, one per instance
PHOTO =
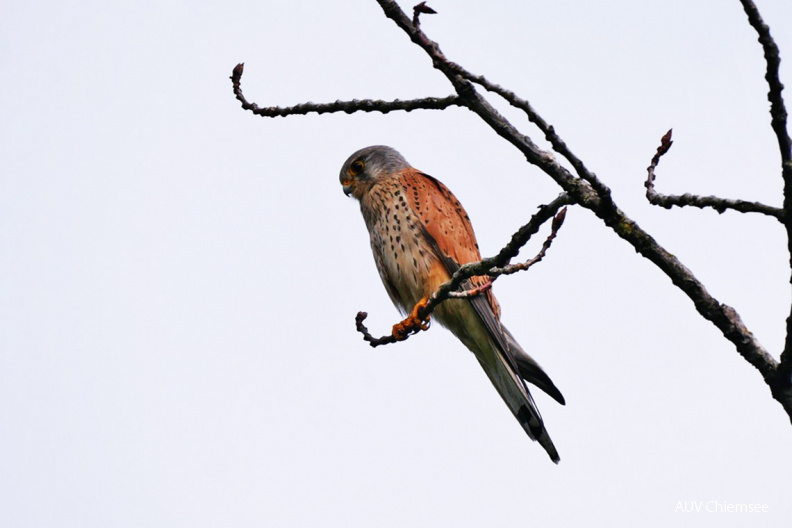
(420, 235)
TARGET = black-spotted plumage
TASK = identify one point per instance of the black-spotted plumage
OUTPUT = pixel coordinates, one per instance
(420, 235)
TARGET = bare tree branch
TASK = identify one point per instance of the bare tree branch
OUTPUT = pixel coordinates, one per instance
(719, 204)
(582, 192)
(355, 105)
(492, 267)
(586, 189)
(778, 121)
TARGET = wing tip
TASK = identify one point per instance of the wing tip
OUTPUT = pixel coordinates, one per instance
(553, 393)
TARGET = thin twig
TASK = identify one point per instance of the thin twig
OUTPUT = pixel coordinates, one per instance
(418, 10)
(473, 292)
(667, 201)
(509, 269)
(355, 105)
(373, 341)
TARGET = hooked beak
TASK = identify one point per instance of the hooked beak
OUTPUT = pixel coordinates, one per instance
(347, 186)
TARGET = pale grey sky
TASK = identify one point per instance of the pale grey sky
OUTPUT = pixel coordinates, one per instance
(180, 277)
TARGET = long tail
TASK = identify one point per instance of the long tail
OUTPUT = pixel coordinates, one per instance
(506, 364)
(475, 323)
(516, 395)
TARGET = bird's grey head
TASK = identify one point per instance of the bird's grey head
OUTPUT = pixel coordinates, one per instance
(366, 166)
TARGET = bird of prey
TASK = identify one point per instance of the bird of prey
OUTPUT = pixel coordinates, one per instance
(420, 235)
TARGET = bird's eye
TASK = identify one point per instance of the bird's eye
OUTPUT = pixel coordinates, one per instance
(356, 168)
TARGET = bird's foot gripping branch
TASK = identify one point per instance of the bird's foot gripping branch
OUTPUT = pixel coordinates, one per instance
(492, 268)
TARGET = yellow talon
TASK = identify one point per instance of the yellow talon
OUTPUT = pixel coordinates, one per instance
(412, 323)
